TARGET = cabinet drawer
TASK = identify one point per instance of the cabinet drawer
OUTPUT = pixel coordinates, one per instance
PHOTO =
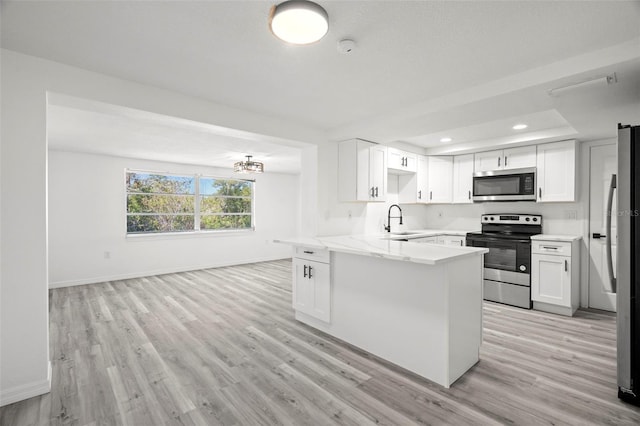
(551, 247)
(311, 254)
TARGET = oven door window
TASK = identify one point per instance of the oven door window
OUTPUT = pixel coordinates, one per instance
(497, 185)
(501, 258)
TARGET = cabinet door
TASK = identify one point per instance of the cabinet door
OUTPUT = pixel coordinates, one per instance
(378, 172)
(551, 279)
(462, 178)
(422, 179)
(312, 288)
(401, 161)
(353, 170)
(428, 240)
(556, 171)
(489, 160)
(518, 158)
(440, 179)
(451, 240)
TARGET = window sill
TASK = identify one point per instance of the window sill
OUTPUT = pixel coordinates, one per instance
(190, 234)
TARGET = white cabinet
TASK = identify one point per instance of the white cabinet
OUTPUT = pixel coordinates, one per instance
(440, 179)
(401, 161)
(554, 276)
(428, 240)
(463, 178)
(432, 183)
(502, 159)
(451, 240)
(362, 171)
(312, 283)
(556, 171)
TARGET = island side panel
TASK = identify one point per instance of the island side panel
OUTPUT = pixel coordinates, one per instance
(397, 310)
(465, 311)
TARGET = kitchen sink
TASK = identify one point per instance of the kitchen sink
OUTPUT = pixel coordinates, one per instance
(405, 233)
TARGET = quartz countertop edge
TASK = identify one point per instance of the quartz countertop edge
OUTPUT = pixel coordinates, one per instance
(377, 246)
(554, 237)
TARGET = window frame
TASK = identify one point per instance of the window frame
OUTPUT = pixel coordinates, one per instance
(196, 208)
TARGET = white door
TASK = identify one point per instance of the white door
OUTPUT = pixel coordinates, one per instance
(440, 179)
(603, 164)
(517, 158)
(489, 160)
(462, 178)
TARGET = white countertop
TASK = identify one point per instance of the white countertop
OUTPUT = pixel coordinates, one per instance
(379, 246)
(421, 233)
(552, 237)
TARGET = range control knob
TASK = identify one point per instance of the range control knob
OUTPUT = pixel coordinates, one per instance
(535, 219)
(523, 268)
(528, 219)
(486, 218)
(493, 218)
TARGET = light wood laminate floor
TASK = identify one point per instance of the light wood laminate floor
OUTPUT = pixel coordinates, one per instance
(221, 346)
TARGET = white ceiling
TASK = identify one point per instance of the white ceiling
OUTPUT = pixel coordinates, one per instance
(420, 70)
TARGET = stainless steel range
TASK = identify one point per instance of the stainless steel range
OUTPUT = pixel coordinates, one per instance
(507, 266)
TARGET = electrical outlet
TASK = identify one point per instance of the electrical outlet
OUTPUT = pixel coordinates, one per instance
(439, 214)
(571, 214)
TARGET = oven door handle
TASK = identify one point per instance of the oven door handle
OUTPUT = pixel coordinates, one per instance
(504, 241)
(612, 188)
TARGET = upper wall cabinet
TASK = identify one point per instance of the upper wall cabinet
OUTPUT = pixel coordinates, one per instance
(432, 183)
(440, 179)
(512, 158)
(463, 178)
(362, 171)
(401, 162)
(556, 171)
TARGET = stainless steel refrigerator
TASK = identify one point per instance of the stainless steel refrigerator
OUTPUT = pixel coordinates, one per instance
(627, 281)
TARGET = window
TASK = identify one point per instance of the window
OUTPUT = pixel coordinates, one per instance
(160, 202)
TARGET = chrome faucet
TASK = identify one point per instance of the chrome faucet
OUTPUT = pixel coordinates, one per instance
(388, 225)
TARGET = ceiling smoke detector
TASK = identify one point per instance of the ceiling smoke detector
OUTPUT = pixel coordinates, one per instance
(346, 46)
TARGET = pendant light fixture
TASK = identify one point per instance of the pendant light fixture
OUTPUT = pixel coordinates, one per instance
(299, 21)
(248, 166)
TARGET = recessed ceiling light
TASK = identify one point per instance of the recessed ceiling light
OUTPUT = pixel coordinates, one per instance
(446, 140)
(520, 126)
(299, 21)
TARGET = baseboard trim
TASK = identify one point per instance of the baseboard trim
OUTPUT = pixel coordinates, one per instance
(26, 391)
(101, 279)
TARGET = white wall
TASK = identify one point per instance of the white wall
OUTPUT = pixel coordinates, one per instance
(87, 219)
(24, 350)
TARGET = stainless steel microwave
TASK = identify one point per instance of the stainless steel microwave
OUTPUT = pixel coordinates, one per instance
(505, 185)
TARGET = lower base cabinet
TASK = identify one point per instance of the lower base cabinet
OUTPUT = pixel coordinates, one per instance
(312, 287)
(554, 276)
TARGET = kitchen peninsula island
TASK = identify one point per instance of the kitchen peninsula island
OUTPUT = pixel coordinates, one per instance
(416, 305)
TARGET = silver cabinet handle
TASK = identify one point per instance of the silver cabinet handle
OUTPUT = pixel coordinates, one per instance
(499, 161)
(373, 192)
(310, 268)
(304, 274)
(420, 195)
(539, 192)
(505, 160)
(308, 252)
(612, 187)
(566, 264)
(430, 195)
(550, 248)
(469, 194)
(376, 191)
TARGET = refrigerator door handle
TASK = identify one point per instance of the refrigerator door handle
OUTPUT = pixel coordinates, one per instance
(612, 188)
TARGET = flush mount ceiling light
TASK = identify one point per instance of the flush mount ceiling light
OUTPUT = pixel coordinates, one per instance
(445, 140)
(594, 82)
(298, 21)
(519, 127)
(248, 166)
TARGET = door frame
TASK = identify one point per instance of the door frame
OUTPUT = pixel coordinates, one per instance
(585, 176)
